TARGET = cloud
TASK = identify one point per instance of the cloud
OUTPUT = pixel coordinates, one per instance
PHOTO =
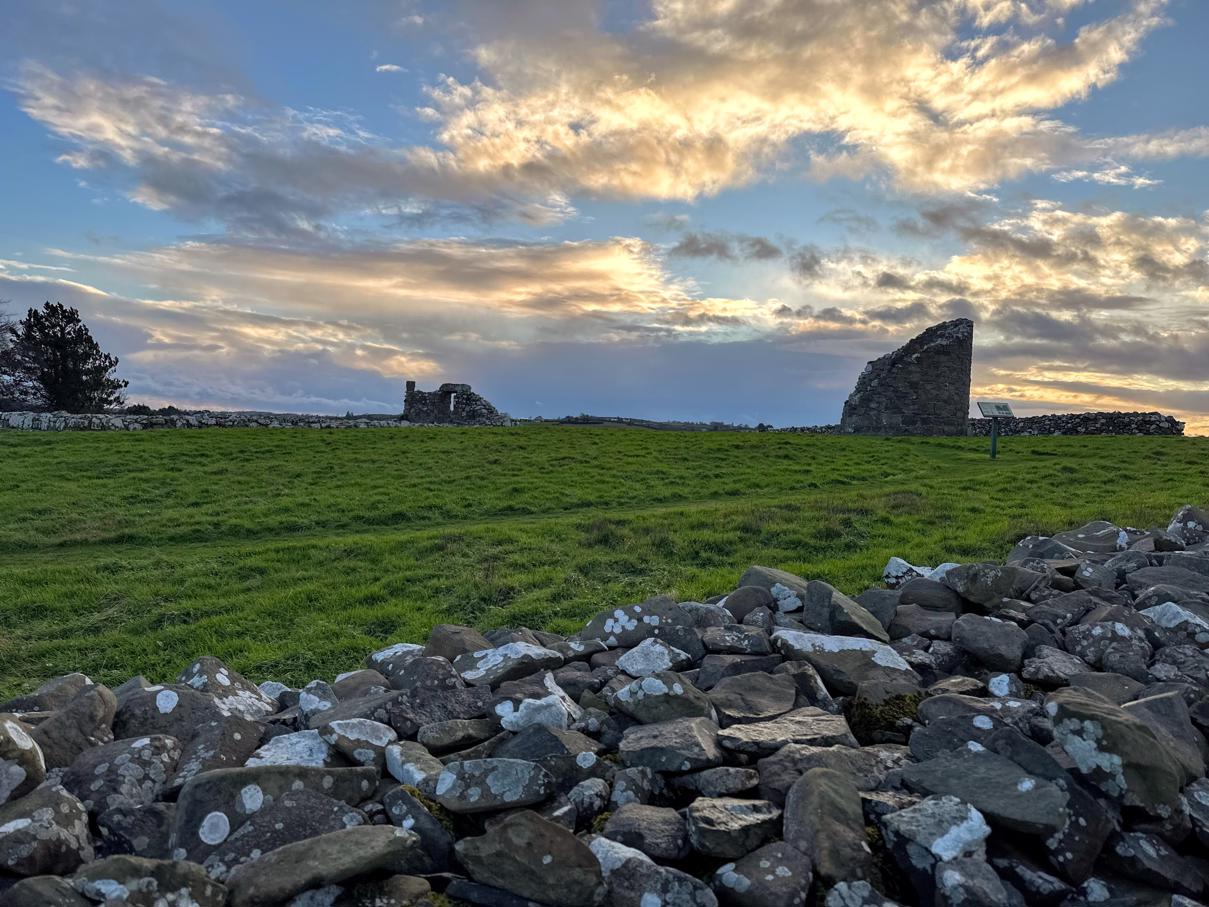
(389, 67)
(726, 247)
(697, 97)
(1114, 175)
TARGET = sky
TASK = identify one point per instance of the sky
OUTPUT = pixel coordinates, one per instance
(680, 209)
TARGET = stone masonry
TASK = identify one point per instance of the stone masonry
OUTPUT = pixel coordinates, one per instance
(922, 388)
(453, 404)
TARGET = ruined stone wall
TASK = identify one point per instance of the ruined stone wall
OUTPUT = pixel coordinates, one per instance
(450, 404)
(28, 421)
(922, 388)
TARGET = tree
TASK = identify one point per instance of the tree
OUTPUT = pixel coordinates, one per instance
(53, 362)
(12, 389)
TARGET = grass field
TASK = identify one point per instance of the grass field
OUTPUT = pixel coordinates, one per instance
(291, 554)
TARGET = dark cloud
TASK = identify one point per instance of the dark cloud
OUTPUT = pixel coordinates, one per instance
(887, 280)
(806, 262)
(726, 247)
(850, 220)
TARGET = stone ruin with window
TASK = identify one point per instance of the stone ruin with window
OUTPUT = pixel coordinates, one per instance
(450, 404)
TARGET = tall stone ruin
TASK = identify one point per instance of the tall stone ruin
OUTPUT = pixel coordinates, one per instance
(922, 388)
(449, 404)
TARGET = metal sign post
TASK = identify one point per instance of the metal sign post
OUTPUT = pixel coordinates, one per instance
(995, 411)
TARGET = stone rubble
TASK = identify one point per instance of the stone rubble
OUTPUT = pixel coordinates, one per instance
(1010, 734)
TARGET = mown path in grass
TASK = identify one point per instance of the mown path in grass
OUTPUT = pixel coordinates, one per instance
(291, 554)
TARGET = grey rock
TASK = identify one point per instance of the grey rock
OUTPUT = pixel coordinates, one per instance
(824, 820)
(662, 697)
(43, 891)
(485, 785)
(45, 832)
(929, 594)
(998, 644)
(1114, 751)
(232, 692)
(681, 745)
(659, 832)
(746, 599)
(140, 831)
(736, 639)
(866, 766)
(528, 856)
(917, 620)
(746, 698)
(1052, 667)
(723, 781)
(653, 656)
(511, 661)
(857, 894)
(328, 859)
(729, 828)
(22, 765)
(291, 817)
(969, 882)
(631, 876)
(775, 875)
(140, 882)
(123, 773)
(407, 811)
(937, 830)
(628, 626)
(808, 725)
(83, 722)
(1001, 790)
(844, 662)
(448, 641)
(213, 804)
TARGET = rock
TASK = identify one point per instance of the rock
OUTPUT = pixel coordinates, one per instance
(172, 711)
(736, 639)
(43, 891)
(1167, 716)
(1114, 751)
(916, 620)
(1051, 667)
(409, 762)
(788, 591)
(628, 626)
(123, 773)
(448, 641)
(802, 726)
(746, 599)
(213, 804)
(45, 832)
(233, 694)
(988, 584)
(409, 711)
(866, 766)
(52, 695)
(857, 894)
(293, 816)
(633, 880)
(359, 740)
(1149, 859)
(930, 595)
(530, 857)
(528, 703)
(681, 745)
(302, 748)
(935, 831)
(747, 698)
(22, 767)
(139, 882)
(653, 656)
(775, 875)
(968, 882)
(828, 610)
(325, 860)
(85, 721)
(659, 832)
(1190, 524)
(998, 788)
(729, 828)
(1096, 537)
(998, 644)
(140, 831)
(428, 820)
(491, 667)
(844, 662)
(662, 697)
(824, 820)
(485, 785)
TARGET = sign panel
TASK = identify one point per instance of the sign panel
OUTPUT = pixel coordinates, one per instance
(1000, 410)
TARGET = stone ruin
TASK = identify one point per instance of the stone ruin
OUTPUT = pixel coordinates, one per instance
(449, 404)
(1027, 733)
(922, 388)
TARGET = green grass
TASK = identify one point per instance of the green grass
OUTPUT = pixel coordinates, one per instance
(291, 554)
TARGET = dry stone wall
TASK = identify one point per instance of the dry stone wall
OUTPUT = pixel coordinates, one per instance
(922, 388)
(121, 422)
(1108, 423)
(994, 734)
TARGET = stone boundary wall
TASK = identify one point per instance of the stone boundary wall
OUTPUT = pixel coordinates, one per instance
(121, 422)
(1113, 423)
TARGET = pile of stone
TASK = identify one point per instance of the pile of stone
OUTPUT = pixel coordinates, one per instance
(1106, 423)
(1025, 733)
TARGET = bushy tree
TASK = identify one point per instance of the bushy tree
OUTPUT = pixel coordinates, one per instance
(52, 362)
(12, 391)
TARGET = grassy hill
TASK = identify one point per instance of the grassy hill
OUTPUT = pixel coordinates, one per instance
(291, 554)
